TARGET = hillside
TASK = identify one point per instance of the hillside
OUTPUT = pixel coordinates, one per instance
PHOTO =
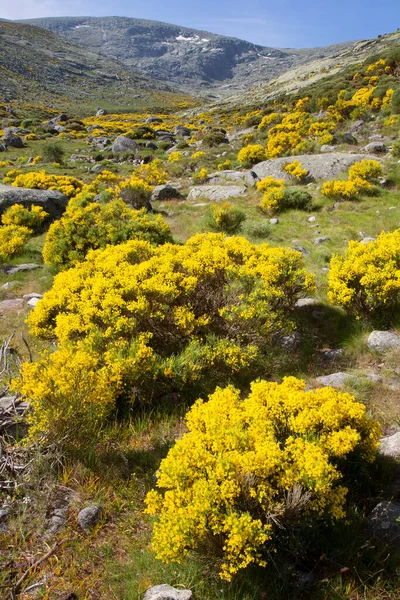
(187, 57)
(41, 67)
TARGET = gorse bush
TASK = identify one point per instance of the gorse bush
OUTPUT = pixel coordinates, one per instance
(32, 217)
(279, 455)
(12, 240)
(95, 225)
(366, 279)
(359, 182)
(172, 318)
(277, 197)
(70, 186)
(366, 169)
(225, 217)
(252, 154)
(295, 169)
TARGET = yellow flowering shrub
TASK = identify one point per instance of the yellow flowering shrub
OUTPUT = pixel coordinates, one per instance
(134, 191)
(365, 169)
(83, 228)
(274, 191)
(70, 186)
(252, 154)
(199, 154)
(367, 278)
(18, 214)
(152, 173)
(12, 240)
(200, 176)
(346, 190)
(229, 479)
(207, 307)
(175, 156)
(226, 217)
(295, 169)
(268, 120)
(71, 394)
(224, 165)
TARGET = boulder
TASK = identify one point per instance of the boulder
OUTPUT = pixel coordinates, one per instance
(89, 517)
(390, 446)
(52, 201)
(151, 145)
(165, 192)
(383, 340)
(124, 144)
(183, 131)
(10, 139)
(12, 269)
(376, 148)
(101, 112)
(12, 304)
(384, 522)
(348, 138)
(319, 166)
(216, 192)
(154, 120)
(335, 380)
(166, 592)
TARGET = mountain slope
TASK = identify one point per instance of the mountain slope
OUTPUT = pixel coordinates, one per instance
(184, 56)
(39, 66)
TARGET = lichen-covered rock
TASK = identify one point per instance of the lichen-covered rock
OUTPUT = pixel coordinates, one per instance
(216, 192)
(390, 446)
(166, 592)
(89, 517)
(52, 201)
(124, 144)
(335, 380)
(383, 340)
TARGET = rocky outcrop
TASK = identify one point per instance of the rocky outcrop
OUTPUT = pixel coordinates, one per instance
(216, 193)
(166, 592)
(52, 201)
(125, 144)
(319, 166)
(383, 340)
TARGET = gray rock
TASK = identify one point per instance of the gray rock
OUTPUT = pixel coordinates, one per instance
(89, 517)
(384, 522)
(367, 240)
(348, 138)
(216, 192)
(311, 219)
(11, 270)
(376, 148)
(319, 166)
(325, 148)
(321, 240)
(333, 354)
(154, 120)
(390, 446)
(165, 192)
(222, 177)
(12, 304)
(32, 295)
(101, 112)
(4, 513)
(183, 131)
(124, 144)
(374, 378)
(302, 250)
(291, 341)
(274, 221)
(10, 139)
(55, 524)
(357, 126)
(306, 302)
(151, 145)
(383, 340)
(52, 201)
(166, 592)
(335, 380)
(33, 302)
(9, 285)
(97, 168)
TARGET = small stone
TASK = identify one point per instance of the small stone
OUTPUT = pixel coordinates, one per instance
(321, 240)
(306, 302)
(291, 341)
(9, 285)
(335, 380)
(166, 592)
(384, 522)
(274, 221)
(367, 240)
(32, 295)
(325, 269)
(333, 354)
(383, 340)
(374, 378)
(390, 445)
(33, 302)
(88, 517)
(376, 148)
(311, 219)
(11, 304)
(302, 250)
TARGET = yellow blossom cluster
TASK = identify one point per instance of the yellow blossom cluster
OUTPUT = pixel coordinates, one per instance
(367, 278)
(359, 182)
(70, 186)
(231, 477)
(12, 240)
(295, 169)
(21, 216)
(252, 154)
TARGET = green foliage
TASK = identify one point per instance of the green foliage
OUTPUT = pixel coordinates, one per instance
(53, 152)
(214, 138)
(93, 225)
(396, 102)
(297, 198)
(225, 217)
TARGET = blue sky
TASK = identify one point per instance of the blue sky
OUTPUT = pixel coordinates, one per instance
(282, 23)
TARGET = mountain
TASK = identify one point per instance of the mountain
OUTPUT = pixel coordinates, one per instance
(40, 66)
(190, 58)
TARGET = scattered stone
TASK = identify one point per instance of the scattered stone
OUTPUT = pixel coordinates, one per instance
(216, 192)
(154, 120)
(183, 131)
(390, 446)
(311, 219)
(165, 192)
(357, 126)
(325, 148)
(306, 302)
(367, 240)
(291, 341)
(166, 592)
(124, 144)
(32, 295)
(52, 201)
(302, 250)
(333, 354)
(11, 270)
(97, 168)
(101, 112)
(376, 148)
(10, 139)
(12, 304)
(89, 517)
(335, 380)
(274, 221)
(348, 138)
(33, 302)
(325, 269)
(151, 145)
(384, 522)
(9, 285)
(374, 378)
(321, 240)
(383, 340)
